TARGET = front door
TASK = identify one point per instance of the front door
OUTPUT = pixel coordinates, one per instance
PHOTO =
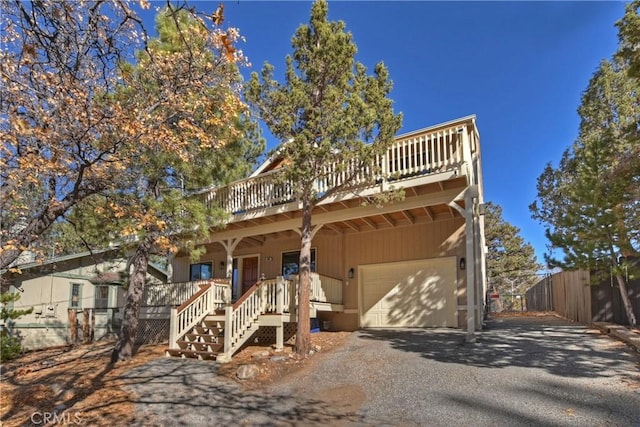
(249, 273)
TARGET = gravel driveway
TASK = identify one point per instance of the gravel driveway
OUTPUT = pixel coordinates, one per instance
(522, 371)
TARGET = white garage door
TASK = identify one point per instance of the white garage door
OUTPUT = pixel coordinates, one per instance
(409, 294)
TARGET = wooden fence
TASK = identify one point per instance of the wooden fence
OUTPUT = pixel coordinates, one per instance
(571, 295)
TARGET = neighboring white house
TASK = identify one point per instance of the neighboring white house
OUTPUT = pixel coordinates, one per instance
(69, 283)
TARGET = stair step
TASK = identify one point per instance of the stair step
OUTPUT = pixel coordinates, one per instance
(204, 337)
(205, 330)
(191, 354)
(199, 346)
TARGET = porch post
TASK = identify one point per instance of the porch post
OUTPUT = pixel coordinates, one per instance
(229, 246)
(468, 214)
(173, 328)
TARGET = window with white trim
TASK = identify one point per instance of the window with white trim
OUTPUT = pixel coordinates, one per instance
(75, 300)
(201, 270)
(291, 262)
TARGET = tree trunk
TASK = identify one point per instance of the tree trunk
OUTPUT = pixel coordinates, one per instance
(124, 346)
(626, 301)
(73, 327)
(303, 333)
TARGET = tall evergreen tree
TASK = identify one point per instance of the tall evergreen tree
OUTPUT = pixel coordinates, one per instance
(629, 36)
(511, 262)
(332, 119)
(628, 169)
(589, 208)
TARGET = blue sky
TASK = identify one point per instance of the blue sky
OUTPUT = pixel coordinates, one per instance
(521, 67)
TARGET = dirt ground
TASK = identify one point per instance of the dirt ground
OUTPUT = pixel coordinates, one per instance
(80, 384)
(81, 381)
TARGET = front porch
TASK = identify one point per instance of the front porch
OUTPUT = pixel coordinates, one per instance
(208, 325)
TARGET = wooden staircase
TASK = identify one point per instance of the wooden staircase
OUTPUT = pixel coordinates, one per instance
(207, 326)
(204, 341)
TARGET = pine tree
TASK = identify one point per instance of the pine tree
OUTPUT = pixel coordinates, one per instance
(511, 262)
(331, 117)
(10, 345)
(211, 140)
(587, 204)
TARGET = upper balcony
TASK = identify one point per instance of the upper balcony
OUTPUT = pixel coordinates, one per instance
(448, 151)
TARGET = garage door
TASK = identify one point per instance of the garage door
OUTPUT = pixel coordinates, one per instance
(409, 294)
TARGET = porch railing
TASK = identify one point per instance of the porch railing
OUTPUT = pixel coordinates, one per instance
(416, 154)
(323, 288)
(176, 293)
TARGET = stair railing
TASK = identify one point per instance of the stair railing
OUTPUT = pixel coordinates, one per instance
(240, 316)
(207, 300)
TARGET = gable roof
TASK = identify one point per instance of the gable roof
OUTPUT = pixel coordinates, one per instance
(105, 255)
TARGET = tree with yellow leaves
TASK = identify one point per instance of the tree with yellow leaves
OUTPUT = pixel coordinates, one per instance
(99, 120)
(68, 124)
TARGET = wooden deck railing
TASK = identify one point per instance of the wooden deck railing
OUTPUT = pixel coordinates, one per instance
(323, 288)
(417, 154)
(164, 294)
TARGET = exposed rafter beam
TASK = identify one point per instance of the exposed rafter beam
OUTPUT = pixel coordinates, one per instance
(389, 220)
(257, 240)
(428, 212)
(410, 217)
(352, 226)
(334, 228)
(370, 222)
(444, 197)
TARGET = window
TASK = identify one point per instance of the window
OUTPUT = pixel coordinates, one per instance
(101, 298)
(76, 295)
(291, 261)
(202, 270)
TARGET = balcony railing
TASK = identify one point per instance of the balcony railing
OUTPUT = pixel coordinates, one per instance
(417, 154)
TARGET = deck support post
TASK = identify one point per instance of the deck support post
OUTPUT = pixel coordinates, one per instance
(468, 214)
(279, 337)
(229, 246)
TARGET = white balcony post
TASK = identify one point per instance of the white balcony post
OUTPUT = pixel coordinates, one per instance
(466, 152)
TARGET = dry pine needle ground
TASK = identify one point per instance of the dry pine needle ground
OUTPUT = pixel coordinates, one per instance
(81, 382)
